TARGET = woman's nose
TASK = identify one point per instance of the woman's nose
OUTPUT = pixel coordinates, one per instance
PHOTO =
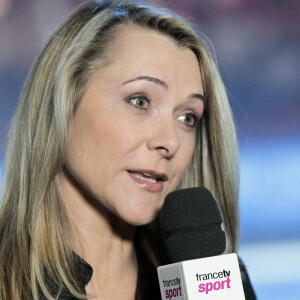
(164, 139)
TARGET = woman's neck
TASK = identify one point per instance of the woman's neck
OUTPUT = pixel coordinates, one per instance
(104, 241)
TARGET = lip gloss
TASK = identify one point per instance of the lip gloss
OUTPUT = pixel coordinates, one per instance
(147, 185)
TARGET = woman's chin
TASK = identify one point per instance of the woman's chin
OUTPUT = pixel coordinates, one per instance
(138, 218)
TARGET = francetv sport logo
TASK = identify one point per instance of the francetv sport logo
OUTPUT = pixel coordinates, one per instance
(172, 288)
(211, 278)
(210, 282)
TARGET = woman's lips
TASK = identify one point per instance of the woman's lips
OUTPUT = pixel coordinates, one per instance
(147, 180)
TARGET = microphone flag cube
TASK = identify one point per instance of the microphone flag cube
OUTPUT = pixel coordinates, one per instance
(210, 278)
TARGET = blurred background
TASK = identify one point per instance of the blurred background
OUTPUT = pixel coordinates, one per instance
(257, 43)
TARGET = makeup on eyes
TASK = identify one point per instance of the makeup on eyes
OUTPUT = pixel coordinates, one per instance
(139, 101)
(142, 102)
(144, 93)
(194, 118)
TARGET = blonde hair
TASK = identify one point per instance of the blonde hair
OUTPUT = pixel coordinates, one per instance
(35, 252)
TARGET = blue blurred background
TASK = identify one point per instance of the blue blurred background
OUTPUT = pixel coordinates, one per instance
(257, 43)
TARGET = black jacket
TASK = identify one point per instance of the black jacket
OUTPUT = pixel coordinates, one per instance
(148, 285)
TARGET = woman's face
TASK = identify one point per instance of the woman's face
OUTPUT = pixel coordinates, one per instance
(133, 133)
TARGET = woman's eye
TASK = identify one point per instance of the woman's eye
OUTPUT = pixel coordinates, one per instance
(139, 101)
(188, 119)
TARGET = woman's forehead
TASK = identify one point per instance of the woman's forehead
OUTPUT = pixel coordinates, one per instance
(136, 50)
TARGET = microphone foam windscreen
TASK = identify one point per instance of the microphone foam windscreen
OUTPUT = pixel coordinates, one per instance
(192, 225)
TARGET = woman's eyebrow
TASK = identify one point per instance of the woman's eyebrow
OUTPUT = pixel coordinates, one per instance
(149, 78)
(163, 84)
(197, 96)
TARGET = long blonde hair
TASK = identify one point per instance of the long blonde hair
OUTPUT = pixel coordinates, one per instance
(34, 228)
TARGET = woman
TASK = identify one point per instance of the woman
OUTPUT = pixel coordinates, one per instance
(123, 105)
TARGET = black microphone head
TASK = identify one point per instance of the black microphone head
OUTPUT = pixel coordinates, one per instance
(192, 225)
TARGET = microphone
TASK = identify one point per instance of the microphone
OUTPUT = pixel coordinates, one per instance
(194, 240)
